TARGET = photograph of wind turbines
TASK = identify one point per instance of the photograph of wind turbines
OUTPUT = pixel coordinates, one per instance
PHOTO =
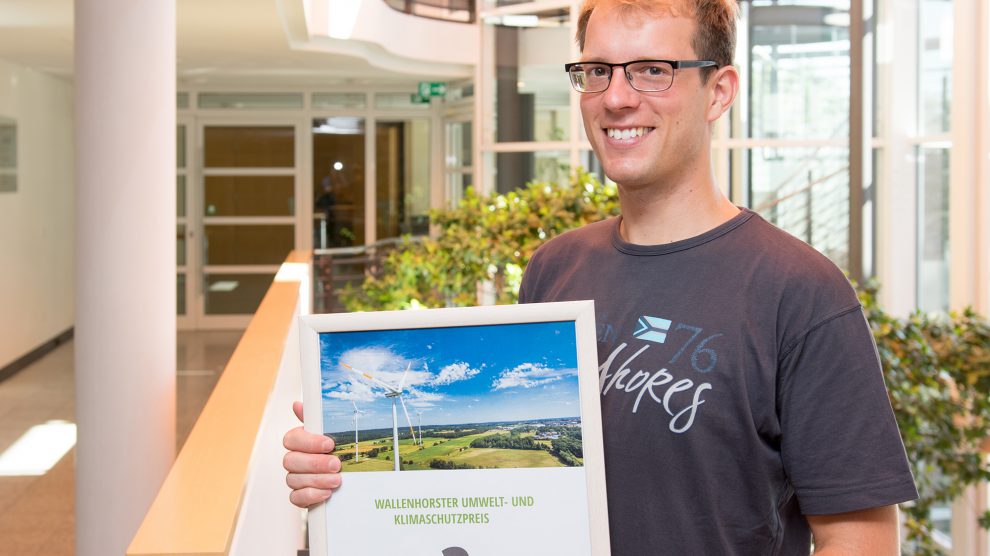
(467, 397)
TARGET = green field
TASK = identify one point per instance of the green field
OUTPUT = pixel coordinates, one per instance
(457, 450)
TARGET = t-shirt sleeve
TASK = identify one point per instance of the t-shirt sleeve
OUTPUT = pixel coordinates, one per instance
(527, 286)
(839, 441)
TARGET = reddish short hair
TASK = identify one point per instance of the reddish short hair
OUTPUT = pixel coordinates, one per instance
(714, 39)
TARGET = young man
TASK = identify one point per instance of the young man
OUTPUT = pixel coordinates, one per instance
(743, 404)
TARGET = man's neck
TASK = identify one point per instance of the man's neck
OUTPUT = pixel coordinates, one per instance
(659, 215)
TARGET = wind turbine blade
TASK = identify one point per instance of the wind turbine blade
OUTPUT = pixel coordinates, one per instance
(402, 382)
(371, 378)
(355, 407)
(408, 420)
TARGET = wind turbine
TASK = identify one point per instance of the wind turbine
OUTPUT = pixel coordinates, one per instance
(419, 415)
(356, 413)
(391, 392)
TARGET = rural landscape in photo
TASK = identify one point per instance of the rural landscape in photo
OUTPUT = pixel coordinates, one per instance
(472, 397)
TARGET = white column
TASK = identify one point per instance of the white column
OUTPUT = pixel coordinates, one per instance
(125, 255)
(897, 185)
(963, 162)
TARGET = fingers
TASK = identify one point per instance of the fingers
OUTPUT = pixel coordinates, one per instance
(312, 470)
(298, 440)
(299, 462)
(307, 497)
(300, 481)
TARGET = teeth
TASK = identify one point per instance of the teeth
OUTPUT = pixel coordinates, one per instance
(627, 133)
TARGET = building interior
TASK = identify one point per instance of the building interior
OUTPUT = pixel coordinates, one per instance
(160, 163)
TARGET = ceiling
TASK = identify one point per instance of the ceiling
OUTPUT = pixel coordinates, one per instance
(214, 49)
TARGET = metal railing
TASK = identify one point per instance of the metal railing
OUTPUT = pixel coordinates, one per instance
(339, 267)
(817, 211)
(460, 11)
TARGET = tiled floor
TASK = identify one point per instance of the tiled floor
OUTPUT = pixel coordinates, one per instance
(36, 513)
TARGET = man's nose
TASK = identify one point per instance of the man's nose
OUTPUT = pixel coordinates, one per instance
(620, 93)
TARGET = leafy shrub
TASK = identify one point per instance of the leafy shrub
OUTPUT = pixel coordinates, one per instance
(482, 240)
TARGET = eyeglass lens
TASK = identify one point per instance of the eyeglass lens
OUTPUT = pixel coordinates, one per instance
(643, 76)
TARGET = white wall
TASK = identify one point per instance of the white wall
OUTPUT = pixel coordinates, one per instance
(36, 222)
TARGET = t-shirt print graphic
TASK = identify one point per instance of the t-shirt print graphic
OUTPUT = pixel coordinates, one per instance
(679, 350)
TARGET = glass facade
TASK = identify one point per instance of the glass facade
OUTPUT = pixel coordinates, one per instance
(933, 229)
(782, 150)
(799, 70)
(934, 66)
(805, 192)
(250, 101)
(339, 100)
(531, 92)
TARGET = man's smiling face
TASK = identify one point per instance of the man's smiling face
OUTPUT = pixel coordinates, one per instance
(645, 139)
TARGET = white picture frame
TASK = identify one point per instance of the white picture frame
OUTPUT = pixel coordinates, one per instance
(516, 487)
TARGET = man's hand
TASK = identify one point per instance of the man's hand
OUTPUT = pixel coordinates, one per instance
(873, 531)
(313, 472)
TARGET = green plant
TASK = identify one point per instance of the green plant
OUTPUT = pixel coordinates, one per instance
(482, 240)
(937, 368)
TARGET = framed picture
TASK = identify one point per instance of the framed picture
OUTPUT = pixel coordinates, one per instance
(465, 431)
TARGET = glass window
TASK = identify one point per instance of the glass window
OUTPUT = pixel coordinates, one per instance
(180, 294)
(235, 294)
(804, 191)
(251, 101)
(457, 185)
(8, 155)
(933, 229)
(249, 147)
(182, 100)
(338, 182)
(338, 100)
(180, 146)
(532, 94)
(934, 65)
(402, 154)
(458, 91)
(515, 170)
(247, 244)
(458, 144)
(591, 164)
(180, 245)
(799, 70)
(180, 196)
(400, 100)
(249, 196)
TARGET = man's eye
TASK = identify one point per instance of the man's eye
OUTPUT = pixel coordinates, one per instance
(655, 71)
(597, 72)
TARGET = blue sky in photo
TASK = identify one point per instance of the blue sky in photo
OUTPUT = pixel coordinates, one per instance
(466, 374)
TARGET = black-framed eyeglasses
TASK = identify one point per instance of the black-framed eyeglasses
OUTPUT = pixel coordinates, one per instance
(648, 76)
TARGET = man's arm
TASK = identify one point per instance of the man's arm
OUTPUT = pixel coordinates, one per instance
(873, 531)
(313, 472)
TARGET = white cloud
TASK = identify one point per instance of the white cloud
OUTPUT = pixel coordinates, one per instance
(529, 375)
(454, 372)
(416, 395)
(381, 363)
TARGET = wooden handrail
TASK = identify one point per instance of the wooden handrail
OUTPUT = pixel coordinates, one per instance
(196, 511)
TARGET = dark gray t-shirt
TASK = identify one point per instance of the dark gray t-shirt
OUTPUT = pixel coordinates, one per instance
(740, 387)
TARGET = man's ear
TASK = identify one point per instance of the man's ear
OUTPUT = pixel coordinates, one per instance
(725, 86)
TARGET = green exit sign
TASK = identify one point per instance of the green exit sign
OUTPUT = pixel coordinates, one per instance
(429, 89)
